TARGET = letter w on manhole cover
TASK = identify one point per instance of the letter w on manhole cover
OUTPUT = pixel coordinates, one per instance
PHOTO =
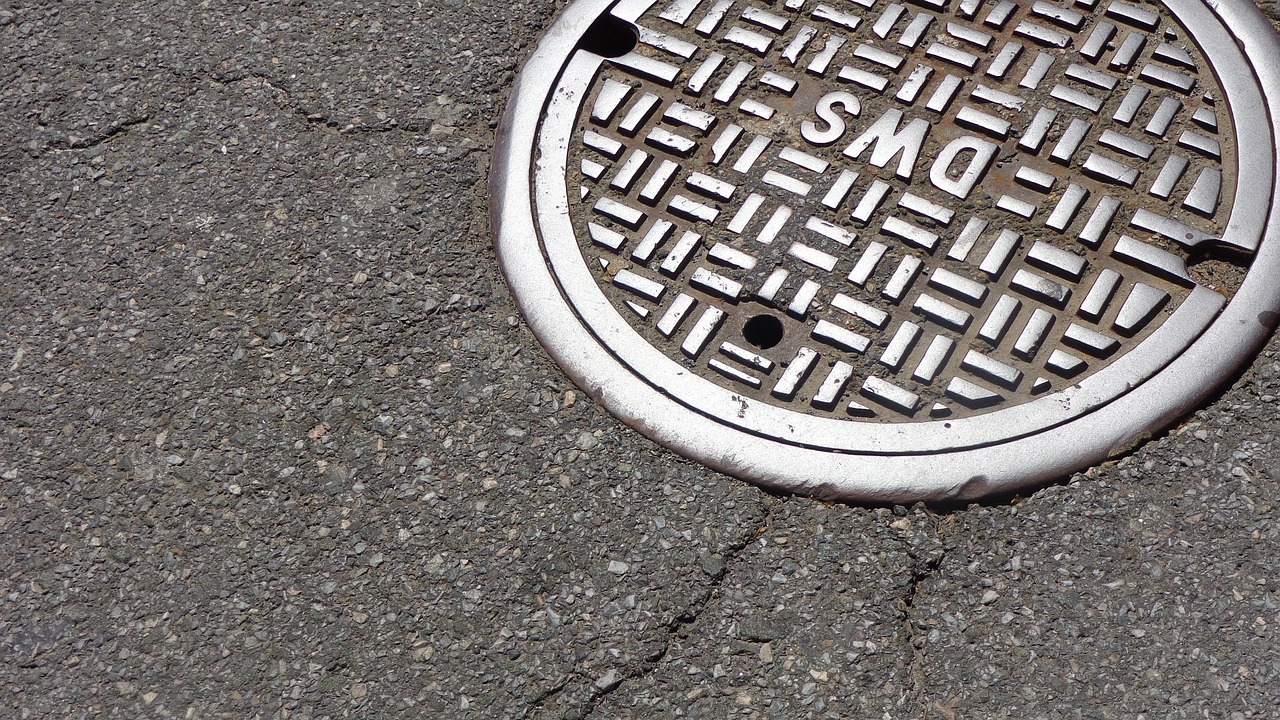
(895, 251)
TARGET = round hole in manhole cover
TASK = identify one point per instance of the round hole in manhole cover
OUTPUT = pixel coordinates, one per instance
(895, 251)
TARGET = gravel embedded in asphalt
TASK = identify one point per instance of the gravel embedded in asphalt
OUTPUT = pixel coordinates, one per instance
(275, 443)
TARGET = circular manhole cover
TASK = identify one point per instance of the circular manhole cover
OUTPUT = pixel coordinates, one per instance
(894, 251)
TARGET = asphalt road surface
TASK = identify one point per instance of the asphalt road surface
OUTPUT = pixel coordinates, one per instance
(274, 442)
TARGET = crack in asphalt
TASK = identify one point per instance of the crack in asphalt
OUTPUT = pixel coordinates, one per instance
(684, 619)
(113, 132)
(688, 616)
(121, 128)
(923, 570)
(315, 118)
(535, 704)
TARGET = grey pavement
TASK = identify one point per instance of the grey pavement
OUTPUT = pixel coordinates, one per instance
(274, 442)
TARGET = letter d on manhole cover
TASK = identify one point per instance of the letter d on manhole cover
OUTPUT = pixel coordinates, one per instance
(894, 251)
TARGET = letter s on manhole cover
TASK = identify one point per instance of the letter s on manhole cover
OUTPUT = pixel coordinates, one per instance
(874, 250)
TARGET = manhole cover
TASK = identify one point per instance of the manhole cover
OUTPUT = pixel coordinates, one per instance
(894, 251)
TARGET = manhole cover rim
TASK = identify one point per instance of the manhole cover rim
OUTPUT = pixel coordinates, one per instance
(1241, 328)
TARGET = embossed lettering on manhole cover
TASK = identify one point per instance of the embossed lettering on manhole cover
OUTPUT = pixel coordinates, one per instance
(880, 250)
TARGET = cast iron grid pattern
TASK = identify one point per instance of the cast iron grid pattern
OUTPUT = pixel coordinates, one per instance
(905, 290)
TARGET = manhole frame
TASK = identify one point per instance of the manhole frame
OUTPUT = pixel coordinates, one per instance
(998, 467)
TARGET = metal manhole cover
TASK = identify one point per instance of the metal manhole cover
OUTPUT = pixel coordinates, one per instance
(884, 251)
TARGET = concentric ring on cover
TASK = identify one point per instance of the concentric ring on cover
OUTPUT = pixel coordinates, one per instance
(894, 251)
